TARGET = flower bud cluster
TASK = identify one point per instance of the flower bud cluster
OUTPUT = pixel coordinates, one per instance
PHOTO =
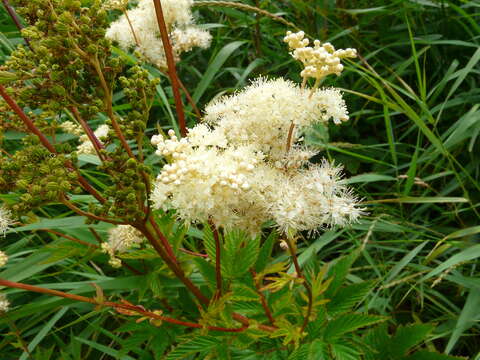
(5, 220)
(115, 4)
(120, 239)
(320, 60)
(145, 36)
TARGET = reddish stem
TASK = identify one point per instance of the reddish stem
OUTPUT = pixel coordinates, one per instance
(32, 128)
(134, 308)
(16, 20)
(218, 268)
(88, 130)
(193, 253)
(172, 72)
(164, 240)
(262, 298)
(172, 264)
(71, 238)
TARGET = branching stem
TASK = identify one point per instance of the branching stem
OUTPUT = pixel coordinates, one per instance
(218, 268)
(298, 269)
(172, 72)
(262, 298)
(136, 309)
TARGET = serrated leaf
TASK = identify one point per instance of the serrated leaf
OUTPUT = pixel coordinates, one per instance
(347, 297)
(242, 292)
(301, 353)
(265, 252)
(247, 256)
(339, 271)
(198, 344)
(344, 351)
(207, 270)
(407, 337)
(139, 254)
(348, 323)
(209, 242)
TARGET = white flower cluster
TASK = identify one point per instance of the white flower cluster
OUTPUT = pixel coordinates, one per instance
(86, 146)
(321, 59)
(240, 170)
(262, 114)
(146, 38)
(120, 239)
(71, 128)
(4, 303)
(3, 258)
(5, 220)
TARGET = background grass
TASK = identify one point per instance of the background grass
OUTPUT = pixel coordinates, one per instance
(410, 149)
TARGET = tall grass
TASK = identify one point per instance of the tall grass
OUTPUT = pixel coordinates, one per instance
(411, 148)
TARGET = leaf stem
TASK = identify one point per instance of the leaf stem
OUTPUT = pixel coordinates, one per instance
(298, 269)
(262, 298)
(123, 306)
(218, 268)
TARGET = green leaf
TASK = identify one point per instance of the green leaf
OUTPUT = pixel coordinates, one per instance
(199, 344)
(215, 67)
(105, 349)
(339, 271)
(348, 323)
(404, 262)
(247, 256)
(366, 178)
(209, 242)
(265, 252)
(468, 254)
(344, 351)
(43, 332)
(407, 337)
(468, 316)
(426, 355)
(347, 297)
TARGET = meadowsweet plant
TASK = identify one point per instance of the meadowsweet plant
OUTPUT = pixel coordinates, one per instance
(192, 215)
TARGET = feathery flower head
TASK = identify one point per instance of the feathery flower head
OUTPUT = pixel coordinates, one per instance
(3, 258)
(4, 303)
(320, 60)
(5, 220)
(245, 165)
(71, 128)
(261, 115)
(145, 36)
(86, 146)
(120, 239)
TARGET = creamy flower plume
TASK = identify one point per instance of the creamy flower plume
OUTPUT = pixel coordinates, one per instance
(320, 60)
(86, 146)
(4, 303)
(120, 239)
(5, 220)
(262, 114)
(246, 165)
(145, 37)
(3, 258)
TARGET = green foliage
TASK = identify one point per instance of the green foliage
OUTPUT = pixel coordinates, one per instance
(400, 284)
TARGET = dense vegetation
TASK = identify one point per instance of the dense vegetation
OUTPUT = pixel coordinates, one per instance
(410, 150)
